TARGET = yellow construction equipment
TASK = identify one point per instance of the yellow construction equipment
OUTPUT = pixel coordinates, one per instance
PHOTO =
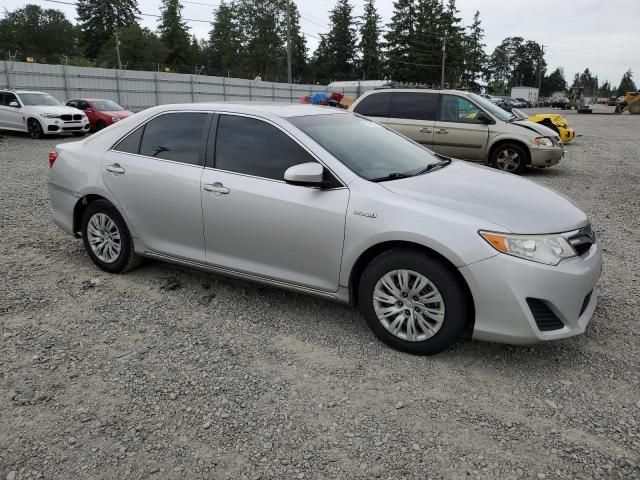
(631, 104)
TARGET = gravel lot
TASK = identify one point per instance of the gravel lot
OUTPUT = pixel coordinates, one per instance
(171, 373)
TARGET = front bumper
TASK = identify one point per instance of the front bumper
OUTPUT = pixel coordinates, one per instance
(501, 285)
(567, 134)
(546, 156)
(56, 126)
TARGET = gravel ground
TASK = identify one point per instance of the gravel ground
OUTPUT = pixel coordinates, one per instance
(170, 373)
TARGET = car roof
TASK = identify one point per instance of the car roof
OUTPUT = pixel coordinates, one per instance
(419, 90)
(284, 110)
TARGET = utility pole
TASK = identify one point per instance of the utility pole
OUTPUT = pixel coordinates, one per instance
(289, 79)
(540, 71)
(118, 50)
(444, 56)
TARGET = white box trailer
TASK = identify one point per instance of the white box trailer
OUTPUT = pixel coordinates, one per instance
(530, 94)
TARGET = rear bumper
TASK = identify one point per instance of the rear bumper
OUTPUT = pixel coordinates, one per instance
(63, 203)
(501, 285)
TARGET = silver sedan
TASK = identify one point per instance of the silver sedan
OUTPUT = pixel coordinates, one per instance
(326, 202)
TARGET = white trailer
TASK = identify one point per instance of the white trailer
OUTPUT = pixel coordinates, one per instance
(530, 94)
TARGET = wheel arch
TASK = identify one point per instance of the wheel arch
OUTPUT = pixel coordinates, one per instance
(82, 204)
(503, 141)
(368, 255)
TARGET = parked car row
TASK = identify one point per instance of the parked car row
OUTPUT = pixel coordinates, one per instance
(40, 114)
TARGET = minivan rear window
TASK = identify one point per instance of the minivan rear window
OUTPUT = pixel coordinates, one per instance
(414, 106)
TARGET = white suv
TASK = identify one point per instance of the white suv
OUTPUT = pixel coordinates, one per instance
(39, 114)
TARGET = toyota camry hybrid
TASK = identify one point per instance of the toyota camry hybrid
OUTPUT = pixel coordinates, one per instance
(329, 203)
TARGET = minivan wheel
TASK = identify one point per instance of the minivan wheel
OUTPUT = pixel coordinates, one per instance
(35, 129)
(509, 157)
(107, 239)
(413, 302)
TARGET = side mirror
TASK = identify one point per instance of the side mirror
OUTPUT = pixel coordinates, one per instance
(14, 104)
(484, 118)
(305, 174)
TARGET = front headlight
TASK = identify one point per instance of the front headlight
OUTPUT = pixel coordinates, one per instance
(548, 249)
(49, 115)
(543, 141)
(115, 119)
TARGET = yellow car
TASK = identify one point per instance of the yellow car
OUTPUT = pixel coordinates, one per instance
(555, 122)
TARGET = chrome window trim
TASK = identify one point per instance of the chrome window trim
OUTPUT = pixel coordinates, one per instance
(270, 122)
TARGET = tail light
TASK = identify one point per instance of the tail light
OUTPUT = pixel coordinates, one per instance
(53, 156)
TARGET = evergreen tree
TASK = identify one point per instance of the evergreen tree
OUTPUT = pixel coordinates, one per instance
(430, 29)
(140, 49)
(36, 32)
(225, 41)
(606, 90)
(475, 57)
(451, 26)
(337, 57)
(515, 62)
(627, 84)
(371, 64)
(553, 83)
(174, 33)
(99, 19)
(298, 44)
(400, 38)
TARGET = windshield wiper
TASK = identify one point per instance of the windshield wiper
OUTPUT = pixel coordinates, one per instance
(433, 166)
(391, 176)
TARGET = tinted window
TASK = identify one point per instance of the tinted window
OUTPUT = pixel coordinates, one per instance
(250, 146)
(131, 143)
(414, 106)
(374, 105)
(459, 110)
(174, 136)
(6, 98)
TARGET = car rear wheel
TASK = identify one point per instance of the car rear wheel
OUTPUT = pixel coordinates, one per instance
(413, 302)
(509, 157)
(35, 129)
(107, 239)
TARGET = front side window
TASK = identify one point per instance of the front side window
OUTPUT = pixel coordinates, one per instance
(6, 98)
(38, 100)
(459, 110)
(175, 136)
(254, 147)
(374, 105)
(414, 106)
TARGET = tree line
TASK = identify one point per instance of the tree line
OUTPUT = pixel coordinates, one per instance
(248, 39)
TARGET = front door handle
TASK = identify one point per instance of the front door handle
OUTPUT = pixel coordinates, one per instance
(115, 168)
(442, 131)
(425, 130)
(216, 188)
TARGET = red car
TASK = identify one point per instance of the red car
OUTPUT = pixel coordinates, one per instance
(100, 112)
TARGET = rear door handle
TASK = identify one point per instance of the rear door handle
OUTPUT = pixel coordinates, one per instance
(115, 168)
(425, 130)
(216, 188)
(442, 131)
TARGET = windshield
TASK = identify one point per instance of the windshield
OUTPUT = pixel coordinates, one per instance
(107, 106)
(366, 147)
(490, 107)
(38, 100)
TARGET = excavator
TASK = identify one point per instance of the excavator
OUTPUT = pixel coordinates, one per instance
(631, 103)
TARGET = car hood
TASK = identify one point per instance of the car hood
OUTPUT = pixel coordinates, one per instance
(536, 127)
(56, 110)
(118, 113)
(517, 204)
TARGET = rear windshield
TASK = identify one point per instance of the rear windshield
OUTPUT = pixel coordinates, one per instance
(367, 148)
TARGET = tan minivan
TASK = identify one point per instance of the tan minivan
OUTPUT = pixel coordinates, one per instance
(463, 125)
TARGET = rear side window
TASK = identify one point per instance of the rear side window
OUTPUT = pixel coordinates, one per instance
(175, 136)
(374, 105)
(253, 147)
(131, 143)
(414, 106)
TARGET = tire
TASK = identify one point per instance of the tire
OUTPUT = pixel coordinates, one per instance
(35, 129)
(100, 217)
(509, 157)
(100, 125)
(443, 328)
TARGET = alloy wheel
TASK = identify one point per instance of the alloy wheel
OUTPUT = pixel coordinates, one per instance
(408, 305)
(508, 160)
(104, 238)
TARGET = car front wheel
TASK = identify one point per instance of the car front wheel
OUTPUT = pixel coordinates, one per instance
(35, 129)
(107, 239)
(509, 157)
(413, 302)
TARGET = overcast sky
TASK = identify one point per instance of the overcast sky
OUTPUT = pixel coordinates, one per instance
(601, 35)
